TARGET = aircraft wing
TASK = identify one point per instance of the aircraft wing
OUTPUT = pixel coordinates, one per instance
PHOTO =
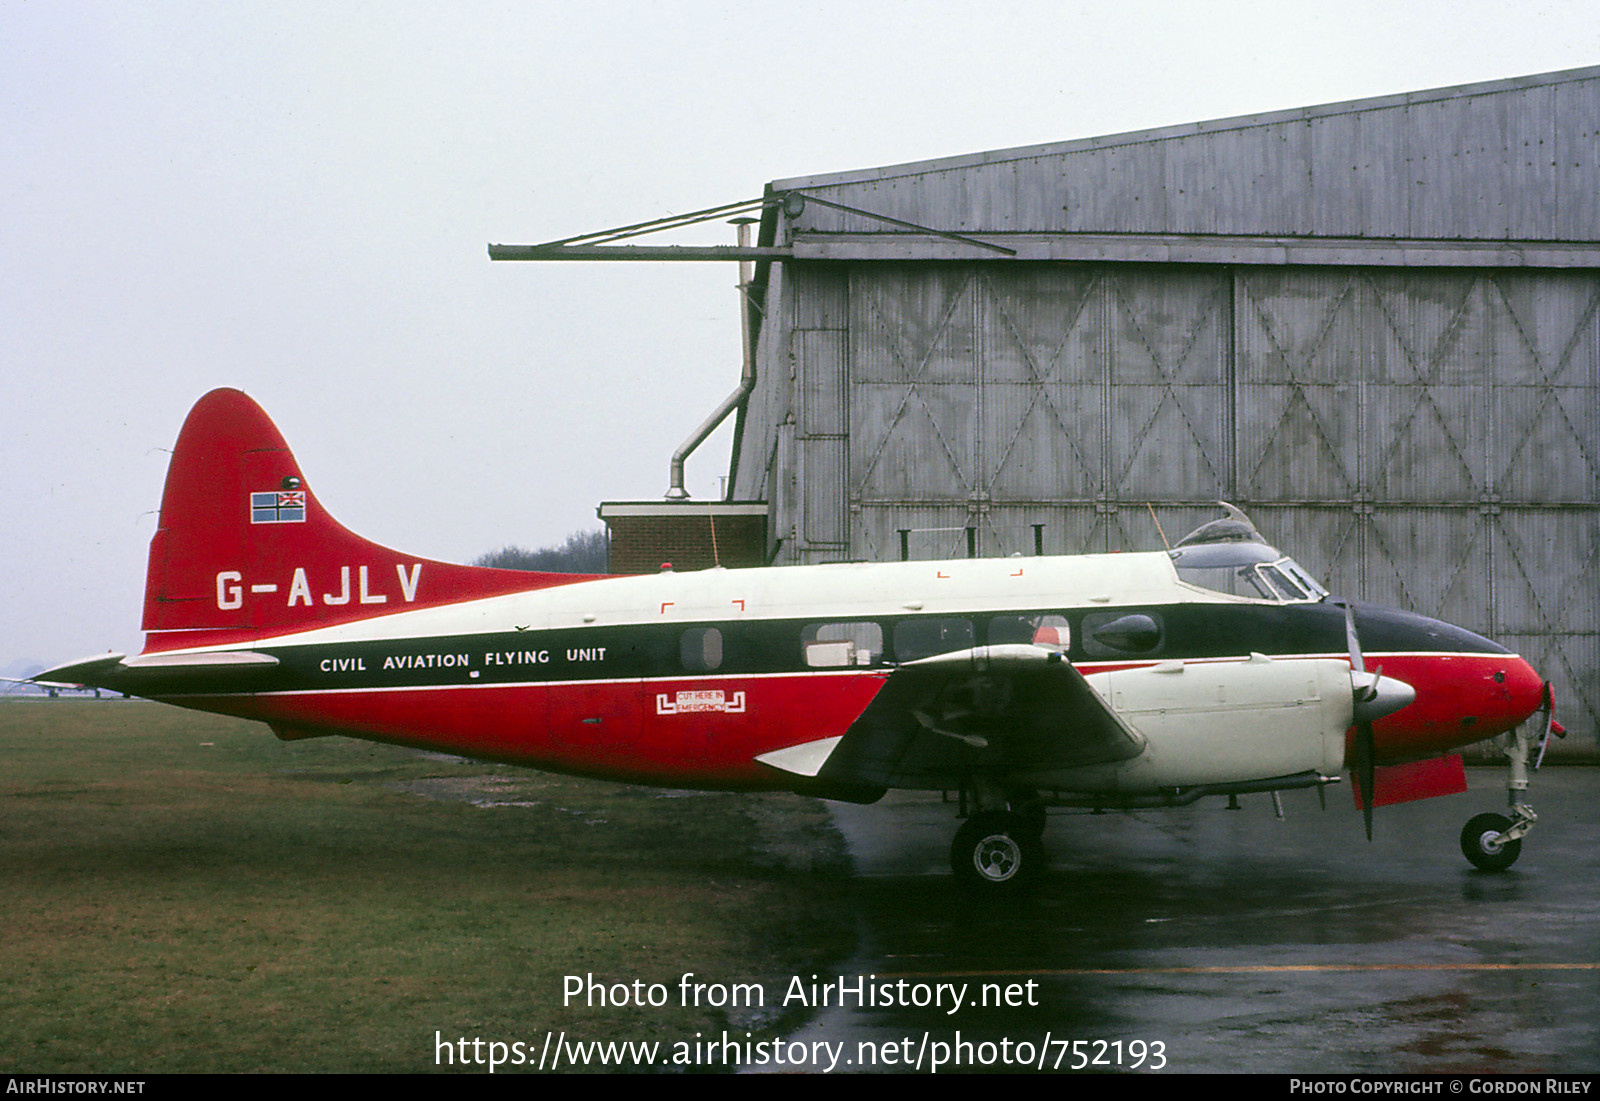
(1010, 708)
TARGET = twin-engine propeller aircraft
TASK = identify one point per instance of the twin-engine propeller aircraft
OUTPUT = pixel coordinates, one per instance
(1106, 681)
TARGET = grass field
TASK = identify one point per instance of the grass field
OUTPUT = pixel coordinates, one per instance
(183, 892)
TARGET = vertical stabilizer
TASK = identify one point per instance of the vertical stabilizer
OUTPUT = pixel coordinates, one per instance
(244, 549)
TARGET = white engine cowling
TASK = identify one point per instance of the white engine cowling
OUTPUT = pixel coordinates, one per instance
(1223, 722)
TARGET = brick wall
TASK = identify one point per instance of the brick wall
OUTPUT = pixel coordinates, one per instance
(640, 544)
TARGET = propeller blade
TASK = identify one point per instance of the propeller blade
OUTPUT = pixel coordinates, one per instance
(1363, 770)
(1357, 663)
(1367, 690)
(1371, 699)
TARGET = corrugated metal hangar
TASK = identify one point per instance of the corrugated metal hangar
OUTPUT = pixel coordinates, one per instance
(1372, 325)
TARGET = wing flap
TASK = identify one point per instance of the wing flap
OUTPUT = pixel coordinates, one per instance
(805, 759)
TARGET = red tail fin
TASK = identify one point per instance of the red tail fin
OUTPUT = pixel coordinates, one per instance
(244, 550)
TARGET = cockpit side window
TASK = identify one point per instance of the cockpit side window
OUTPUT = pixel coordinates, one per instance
(1245, 569)
(1287, 588)
(1305, 580)
(1233, 580)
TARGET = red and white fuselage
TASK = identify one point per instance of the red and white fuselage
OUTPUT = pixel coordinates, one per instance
(259, 604)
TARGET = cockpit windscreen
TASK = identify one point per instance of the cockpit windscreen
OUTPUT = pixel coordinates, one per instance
(1246, 569)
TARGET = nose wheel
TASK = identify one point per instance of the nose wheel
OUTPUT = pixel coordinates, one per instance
(1485, 842)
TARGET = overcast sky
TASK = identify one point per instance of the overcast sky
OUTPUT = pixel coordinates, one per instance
(295, 199)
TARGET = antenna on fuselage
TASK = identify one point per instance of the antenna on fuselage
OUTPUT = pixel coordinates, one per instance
(1159, 530)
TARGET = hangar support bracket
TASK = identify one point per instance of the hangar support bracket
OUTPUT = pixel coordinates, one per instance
(600, 244)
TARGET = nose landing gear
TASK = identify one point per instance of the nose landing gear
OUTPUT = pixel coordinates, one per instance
(1492, 842)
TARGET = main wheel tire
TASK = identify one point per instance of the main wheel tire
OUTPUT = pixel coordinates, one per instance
(1480, 844)
(996, 849)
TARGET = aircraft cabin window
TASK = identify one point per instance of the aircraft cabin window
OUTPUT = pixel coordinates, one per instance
(925, 637)
(1050, 631)
(1121, 634)
(837, 645)
(700, 649)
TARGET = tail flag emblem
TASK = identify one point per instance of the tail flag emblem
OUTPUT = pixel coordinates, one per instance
(278, 507)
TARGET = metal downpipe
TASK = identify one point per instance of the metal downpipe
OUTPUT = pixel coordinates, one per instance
(747, 376)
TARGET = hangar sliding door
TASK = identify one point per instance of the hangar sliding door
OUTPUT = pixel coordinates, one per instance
(1028, 403)
(1420, 437)
(1427, 439)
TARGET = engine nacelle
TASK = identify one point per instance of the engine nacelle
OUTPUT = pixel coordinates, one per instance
(1222, 723)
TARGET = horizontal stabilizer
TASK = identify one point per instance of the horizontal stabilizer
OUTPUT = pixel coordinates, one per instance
(78, 672)
(207, 662)
(150, 674)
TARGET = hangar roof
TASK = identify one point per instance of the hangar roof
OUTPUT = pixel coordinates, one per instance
(1498, 173)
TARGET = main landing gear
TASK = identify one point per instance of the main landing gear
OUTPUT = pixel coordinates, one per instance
(1492, 842)
(999, 848)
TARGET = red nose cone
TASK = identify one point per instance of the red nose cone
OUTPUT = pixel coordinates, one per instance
(1461, 699)
(1519, 694)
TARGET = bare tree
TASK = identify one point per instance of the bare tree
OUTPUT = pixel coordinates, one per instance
(583, 552)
